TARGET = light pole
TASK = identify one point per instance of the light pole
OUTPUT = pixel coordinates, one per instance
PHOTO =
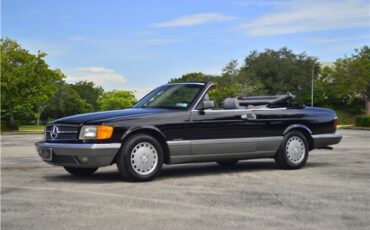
(312, 73)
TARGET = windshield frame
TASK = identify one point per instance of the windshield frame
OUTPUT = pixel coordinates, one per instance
(192, 104)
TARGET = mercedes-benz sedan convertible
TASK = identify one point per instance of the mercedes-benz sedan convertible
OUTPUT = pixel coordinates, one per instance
(179, 123)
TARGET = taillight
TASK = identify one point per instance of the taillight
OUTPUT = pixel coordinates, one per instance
(335, 123)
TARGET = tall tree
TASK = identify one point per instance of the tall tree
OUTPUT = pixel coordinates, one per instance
(352, 76)
(89, 92)
(65, 102)
(25, 78)
(231, 70)
(118, 99)
(281, 71)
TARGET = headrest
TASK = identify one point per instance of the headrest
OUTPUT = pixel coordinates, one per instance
(231, 103)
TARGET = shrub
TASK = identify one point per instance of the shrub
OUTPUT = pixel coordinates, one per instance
(363, 120)
(345, 118)
(5, 126)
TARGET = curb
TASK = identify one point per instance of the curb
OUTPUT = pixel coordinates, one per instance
(20, 133)
(355, 128)
(345, 126)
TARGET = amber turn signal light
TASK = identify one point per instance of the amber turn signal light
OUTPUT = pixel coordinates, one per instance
(104, 132)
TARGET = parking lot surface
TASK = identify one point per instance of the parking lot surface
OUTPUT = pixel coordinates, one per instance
(331, 192)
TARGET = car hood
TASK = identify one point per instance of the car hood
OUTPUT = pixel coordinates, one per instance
(101, 117)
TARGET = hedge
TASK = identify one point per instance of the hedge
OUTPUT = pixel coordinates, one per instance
(5, 126)
(363, 120)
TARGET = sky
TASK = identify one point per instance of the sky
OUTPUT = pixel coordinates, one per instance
(139, 45)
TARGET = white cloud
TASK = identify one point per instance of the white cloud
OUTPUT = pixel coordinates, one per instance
(194, 19)
(107, 78)
(307, 16)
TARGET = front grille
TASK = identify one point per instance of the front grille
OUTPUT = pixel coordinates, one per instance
(61, 132)
(61, 159)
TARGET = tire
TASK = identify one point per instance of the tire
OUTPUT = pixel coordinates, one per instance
(141, 158)
(80, 171)
(227, 163)
(293, 151)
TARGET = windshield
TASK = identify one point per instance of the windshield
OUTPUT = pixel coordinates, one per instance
(178, 96)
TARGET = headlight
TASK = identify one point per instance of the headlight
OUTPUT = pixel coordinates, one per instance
(99, 132)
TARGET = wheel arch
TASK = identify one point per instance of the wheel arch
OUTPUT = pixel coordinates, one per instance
(152, 131)
(304, 130)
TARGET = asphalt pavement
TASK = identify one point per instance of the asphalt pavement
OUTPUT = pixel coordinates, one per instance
(331, 192)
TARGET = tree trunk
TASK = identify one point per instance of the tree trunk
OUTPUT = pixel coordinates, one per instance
(367, 104)
(11, 118)
(244, 89)
(38, 119)
(41, 109)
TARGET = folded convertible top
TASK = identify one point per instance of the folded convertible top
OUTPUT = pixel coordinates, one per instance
(264, 100)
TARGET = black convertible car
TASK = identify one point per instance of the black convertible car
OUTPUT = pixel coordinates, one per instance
(179, 123)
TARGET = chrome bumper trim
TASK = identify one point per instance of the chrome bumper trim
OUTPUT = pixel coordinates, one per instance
(327, 135)
(78, 145)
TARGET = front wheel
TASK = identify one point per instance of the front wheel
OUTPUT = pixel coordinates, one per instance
(80, 171)
(141, 158)
(293, 151)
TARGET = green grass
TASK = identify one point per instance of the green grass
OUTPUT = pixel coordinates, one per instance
(31, 128)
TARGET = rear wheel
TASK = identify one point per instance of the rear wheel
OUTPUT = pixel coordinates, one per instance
(293, 151)
(80, 171)
(141, 158)
(227, 163)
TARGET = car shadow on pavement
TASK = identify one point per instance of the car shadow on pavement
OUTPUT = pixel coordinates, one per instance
(177, 171)
(205, 169)
(98, 177)
(187, 170)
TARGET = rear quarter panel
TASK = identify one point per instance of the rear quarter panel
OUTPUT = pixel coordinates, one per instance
(317, 120)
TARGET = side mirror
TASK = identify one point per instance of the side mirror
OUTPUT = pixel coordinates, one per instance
(207, 104)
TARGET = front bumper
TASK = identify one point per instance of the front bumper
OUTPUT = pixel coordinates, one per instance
(78, 155)
(324, 140)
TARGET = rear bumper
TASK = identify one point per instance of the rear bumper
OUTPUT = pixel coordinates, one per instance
(323, 140)
(78, 155)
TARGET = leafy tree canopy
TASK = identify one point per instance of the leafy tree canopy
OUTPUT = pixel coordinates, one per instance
(196, 76)
(65, 102)
(281, 71)
(348, 79)
(89, 92)
(118, 99)
(25, 78)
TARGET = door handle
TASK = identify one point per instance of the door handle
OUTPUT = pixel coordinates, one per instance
(250, 116)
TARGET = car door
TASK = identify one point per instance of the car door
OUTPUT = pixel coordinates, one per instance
(224, 131)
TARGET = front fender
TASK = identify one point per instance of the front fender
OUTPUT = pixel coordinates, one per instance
(143, 129)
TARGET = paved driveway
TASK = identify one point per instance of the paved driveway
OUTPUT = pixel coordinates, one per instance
(331, 192)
